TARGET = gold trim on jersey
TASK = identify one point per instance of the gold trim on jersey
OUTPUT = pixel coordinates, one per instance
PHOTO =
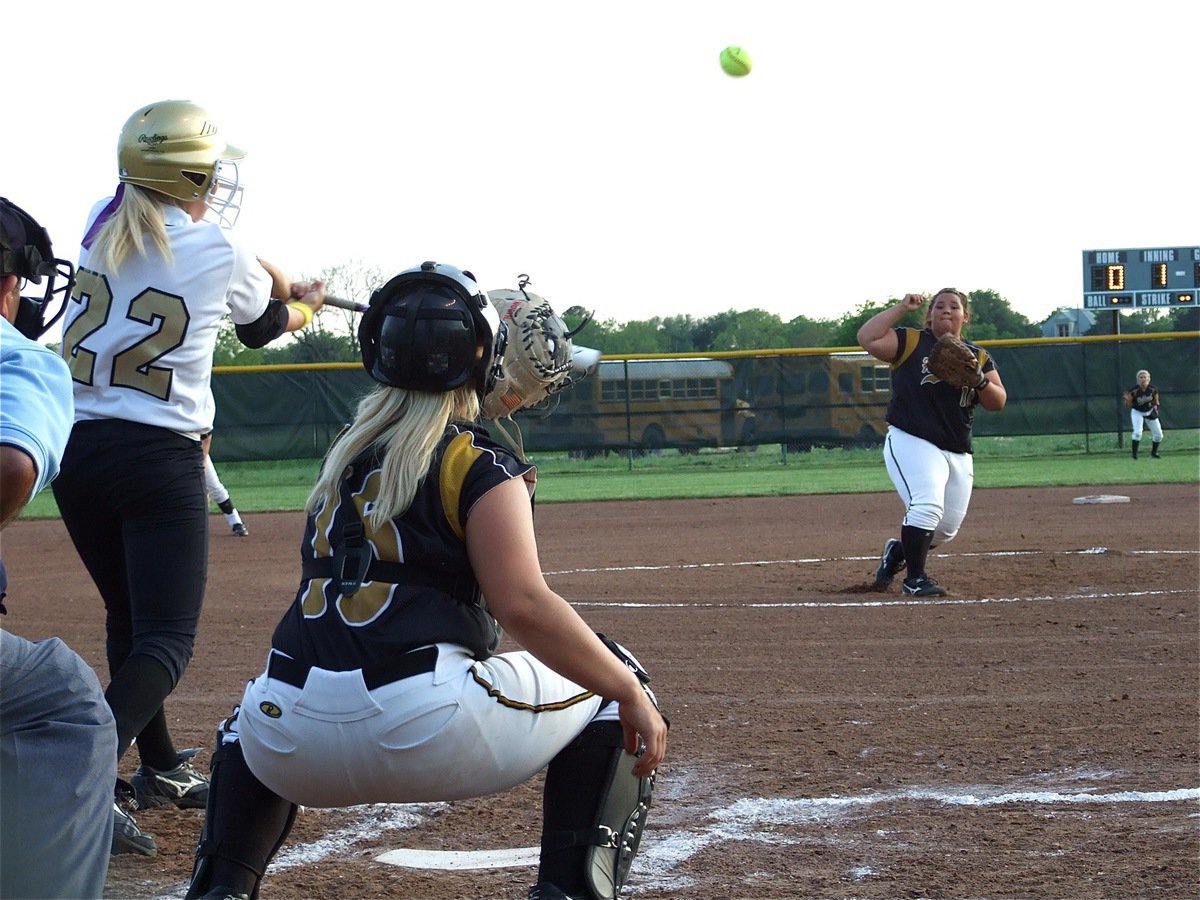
(460, 455)
(912, 337)
(494, 693)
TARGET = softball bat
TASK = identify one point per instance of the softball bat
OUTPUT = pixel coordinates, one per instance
(341, 303)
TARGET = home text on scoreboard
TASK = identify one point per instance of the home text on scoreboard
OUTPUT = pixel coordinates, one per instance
(1141, 277)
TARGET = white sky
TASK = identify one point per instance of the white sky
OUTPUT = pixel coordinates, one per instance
(876, 148)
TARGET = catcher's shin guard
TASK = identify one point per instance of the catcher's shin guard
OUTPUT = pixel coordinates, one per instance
(245, 824)
(595, 813)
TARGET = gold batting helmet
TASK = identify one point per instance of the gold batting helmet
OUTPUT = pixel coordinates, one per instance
(173, 147)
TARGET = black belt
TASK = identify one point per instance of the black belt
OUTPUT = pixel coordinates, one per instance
(415, 662)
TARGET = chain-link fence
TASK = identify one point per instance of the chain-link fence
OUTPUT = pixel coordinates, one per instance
(796, 398)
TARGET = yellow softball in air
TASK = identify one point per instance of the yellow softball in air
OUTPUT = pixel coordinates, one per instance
(735, 61)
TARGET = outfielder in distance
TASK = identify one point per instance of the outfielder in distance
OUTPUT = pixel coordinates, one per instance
(382, 684)
(158, 272)
(937, 381)
(1143, 402)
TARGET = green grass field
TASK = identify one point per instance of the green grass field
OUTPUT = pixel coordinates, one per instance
(1043, 461)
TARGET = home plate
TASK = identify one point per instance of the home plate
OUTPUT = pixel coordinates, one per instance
(461, 859)
(1102, 498)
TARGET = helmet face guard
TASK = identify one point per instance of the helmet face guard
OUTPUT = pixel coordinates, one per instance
(431, 329)
(25, 252)
(224, 198)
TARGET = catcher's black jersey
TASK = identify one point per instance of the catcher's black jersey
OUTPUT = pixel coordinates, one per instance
(433, 596)
(1144, 398)
(922, 404)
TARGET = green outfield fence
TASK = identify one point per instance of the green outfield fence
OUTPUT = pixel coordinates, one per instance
(796, 398)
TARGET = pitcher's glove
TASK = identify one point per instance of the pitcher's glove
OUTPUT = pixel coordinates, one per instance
(953, 362)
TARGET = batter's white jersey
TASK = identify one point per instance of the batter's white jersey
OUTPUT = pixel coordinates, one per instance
(140, 342)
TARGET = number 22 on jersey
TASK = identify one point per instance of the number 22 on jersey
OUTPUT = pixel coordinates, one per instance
(133, 365)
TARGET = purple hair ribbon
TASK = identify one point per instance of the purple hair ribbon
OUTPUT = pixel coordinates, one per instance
(105, 215)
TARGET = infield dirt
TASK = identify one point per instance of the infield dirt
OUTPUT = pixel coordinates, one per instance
(1033, 734)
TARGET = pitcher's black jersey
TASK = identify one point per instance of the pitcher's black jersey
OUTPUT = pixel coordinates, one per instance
(925, 406)
(420, 588)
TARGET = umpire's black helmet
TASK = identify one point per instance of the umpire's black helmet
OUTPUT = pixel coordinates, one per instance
(431, 329)
(25, 252)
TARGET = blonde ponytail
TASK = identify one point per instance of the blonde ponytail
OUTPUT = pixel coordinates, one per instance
(138, 216)
(407, 427)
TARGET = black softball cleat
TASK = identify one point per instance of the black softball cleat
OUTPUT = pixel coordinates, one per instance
(890, 562)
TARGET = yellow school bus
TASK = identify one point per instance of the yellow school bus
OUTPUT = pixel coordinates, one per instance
(644, 405)
(810, 400)
(798, 399)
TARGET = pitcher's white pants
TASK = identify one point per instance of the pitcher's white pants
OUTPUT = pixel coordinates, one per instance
(934, 484)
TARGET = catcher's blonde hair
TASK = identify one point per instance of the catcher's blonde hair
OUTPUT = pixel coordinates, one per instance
(406, 426)
(1142, 372)
(138, 216)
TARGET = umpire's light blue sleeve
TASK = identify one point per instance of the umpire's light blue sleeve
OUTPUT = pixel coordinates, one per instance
(37, 405)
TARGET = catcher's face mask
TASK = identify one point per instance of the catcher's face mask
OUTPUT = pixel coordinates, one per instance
(25, 252)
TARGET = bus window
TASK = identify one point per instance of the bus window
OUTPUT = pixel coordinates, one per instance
(845, 383)
(876, 378)
(612, 391)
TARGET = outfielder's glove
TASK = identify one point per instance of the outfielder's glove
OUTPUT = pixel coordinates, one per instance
(953, 362)
(537, 360)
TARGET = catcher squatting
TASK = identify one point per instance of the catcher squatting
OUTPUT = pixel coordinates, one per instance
(382, 684)
(937, 381)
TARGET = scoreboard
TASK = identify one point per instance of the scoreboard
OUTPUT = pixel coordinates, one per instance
(1141, 277)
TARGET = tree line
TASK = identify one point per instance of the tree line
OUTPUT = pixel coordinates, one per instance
(332, 336)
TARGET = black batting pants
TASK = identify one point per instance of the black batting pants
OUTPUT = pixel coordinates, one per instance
(133, 500)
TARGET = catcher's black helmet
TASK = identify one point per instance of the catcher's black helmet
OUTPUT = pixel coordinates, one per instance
(25, 252)
(431, 329)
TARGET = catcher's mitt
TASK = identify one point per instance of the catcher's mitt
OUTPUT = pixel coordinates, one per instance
(538, 355)
(953, 362)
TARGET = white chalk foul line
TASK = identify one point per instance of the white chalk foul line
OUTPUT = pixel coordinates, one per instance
(757, 819)
(816, 560)
(754, 819)
(898, 601)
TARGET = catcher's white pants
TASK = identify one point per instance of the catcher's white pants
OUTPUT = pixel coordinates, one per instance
(1138, 419)
(466, 729)
(934, 484)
